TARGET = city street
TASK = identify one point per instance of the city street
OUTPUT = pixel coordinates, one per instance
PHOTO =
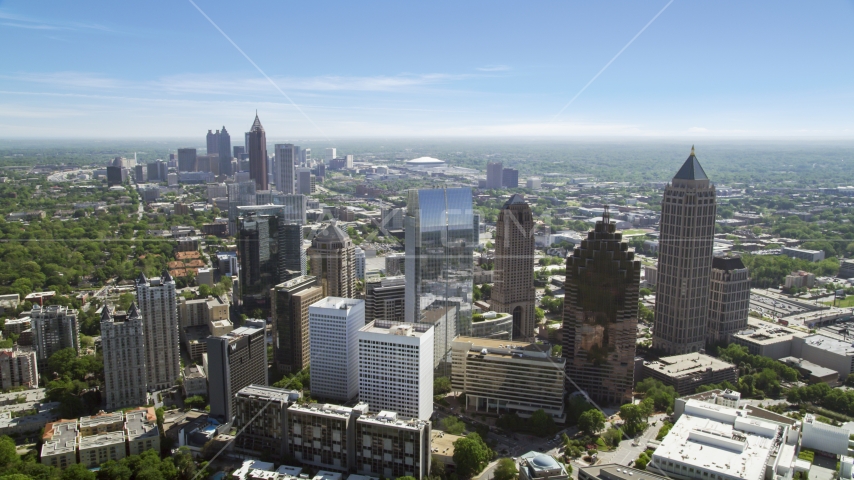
(627, 452)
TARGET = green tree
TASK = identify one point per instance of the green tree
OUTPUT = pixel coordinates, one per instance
(77, 471)
(591, 422)
(406, 478)
(125, 300)
(634, 418)
(506, 469)
(542, 421)
(453, 425)
(612, 437)
(205, 290)
(8, 453)
(441, 385)
(471, 455)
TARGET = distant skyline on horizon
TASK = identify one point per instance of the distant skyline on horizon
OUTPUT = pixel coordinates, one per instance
(673, 70)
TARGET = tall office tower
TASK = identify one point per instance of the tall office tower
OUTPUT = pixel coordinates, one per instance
(54, 328)
(305, 181)
(158, 302)
(140, 174)
(333, 262)
(478, 221)
(290, 302)
(333, 325)
(494, 175)
(687, 230)
(235, 361)
(261, 417)
(257, 146)
(396, 368)
(510, 178)
(212, 141)
(18, 368)
(323, 435)
(391, 218)
(513, 291)
(348, 161)
(330, 154)
(224, 150)
(123, 347)
(600, 315)
(360, 263)
(238, 151)
(440, 263)
(292, 257)
(305, 157)
(240, 194)
(385, 298)
(409, 439)
(186, 159)
(284, 168)
(157, 171)
(729, 299)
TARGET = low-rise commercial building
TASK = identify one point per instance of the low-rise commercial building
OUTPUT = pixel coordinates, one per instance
(823, 437)
(812, 372)
(389, 446)
(688, 371)
(767, 339)
(508, 377)
(811, 255)
(195, 380)
(323, 435)
(825, 351)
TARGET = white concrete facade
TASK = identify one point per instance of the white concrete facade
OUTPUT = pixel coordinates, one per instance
(333, 328)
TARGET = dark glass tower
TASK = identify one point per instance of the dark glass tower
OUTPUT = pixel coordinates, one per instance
(258, 154)
(600, 315)
(224, 152)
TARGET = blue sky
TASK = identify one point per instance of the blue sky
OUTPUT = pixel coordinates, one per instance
(387, 69)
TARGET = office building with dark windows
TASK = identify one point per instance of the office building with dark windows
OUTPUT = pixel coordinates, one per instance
(600, 315)
(256, 142)
(513, 290)
(290, 302)
(729, 299)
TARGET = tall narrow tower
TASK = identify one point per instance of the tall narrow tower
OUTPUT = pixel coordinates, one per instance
(513, 291)
(224, 152)
(600, 315)
(687, 231)
(333, 262)
(257, 139)
(158, 302)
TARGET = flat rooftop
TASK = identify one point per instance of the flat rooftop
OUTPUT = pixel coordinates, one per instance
(101, 419)
(60, 437)
(336, 303)
(716, 447)
(141, 423)
(687, 364)
(829, 344)
(612, 471)
(104, 439)
(813, 368)
(384, 327)
(196, 333)
(194, 371)
(391, 419)
(327, 410)
(261, 391)
(764, 333)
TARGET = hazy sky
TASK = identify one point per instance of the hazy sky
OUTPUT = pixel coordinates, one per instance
(371, 68)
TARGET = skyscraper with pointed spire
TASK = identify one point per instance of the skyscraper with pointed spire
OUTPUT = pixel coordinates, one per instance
(257, 143)
(158, 303)
(600, 315)
(687, 231)
(513, 291)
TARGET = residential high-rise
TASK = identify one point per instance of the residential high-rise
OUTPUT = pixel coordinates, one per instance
(54, 328)
(396, 367)
(224, 149)
(158, 303)
(729, 299)
(123, 347)
(360, 263)
(18, 368)
(284, 171)
(510, 178)
(261, 417)
(290, 302)
(186, 159)
(600, 315)
(240, 194)
(333, 325)
(235, 360)
(440, 262)
(333, 262)
(385, 299)
(687, 230)
(305, 181)
(391, 446)
(513, 290)
(494, 175)
(257, 145)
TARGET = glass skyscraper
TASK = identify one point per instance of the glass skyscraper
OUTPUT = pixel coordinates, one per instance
(440, 242)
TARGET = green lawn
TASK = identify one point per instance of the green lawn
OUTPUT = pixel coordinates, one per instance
(634, 231)
(843, 303)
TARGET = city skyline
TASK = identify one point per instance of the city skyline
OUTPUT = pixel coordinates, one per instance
(743, 71)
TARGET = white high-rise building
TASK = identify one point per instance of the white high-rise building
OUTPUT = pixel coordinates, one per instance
(158, 302)
(123, 346)
(333, 328)
(360, 263)
(284, 168)
(396, 368)
(330, 154)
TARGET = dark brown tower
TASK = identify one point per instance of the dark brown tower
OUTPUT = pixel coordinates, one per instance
(600, 315)
(513, 291)
(258, 155)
